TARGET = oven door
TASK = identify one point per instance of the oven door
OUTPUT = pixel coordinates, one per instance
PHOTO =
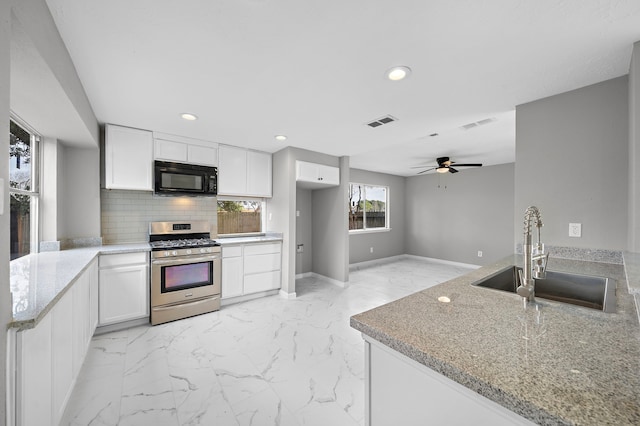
(184, 279)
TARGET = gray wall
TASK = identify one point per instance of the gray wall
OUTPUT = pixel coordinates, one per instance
(5, 293)
(453, 216)
(571, 162)
(330, 228)
(388, 243)
(633, 241)
(304, 234)
(82, 193)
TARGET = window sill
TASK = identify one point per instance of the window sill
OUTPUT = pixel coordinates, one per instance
(368, 231)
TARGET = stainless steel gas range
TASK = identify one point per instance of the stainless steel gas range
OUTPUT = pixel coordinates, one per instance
(185, 270)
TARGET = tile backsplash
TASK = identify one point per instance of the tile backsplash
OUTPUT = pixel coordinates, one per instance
(126, 214)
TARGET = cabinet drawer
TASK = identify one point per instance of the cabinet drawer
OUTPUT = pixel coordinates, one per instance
(261, 282)
(234, 251)
(122, 259)
(261, 263)
(252, 249)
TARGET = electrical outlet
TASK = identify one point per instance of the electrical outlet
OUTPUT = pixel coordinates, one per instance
(479, 253)
(575, 230)
(297, 213)
(370, 249)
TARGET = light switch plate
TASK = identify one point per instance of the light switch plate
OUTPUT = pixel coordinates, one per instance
(575, 230)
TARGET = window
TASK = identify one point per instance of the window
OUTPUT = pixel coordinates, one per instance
(23, 189)
(237, 216)
(368, 207)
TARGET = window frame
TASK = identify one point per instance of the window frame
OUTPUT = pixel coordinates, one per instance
(263, 216)
(387, 209)
(36, 176)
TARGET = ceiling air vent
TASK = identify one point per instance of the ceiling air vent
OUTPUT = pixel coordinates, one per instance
(478, 123)
(383, 120)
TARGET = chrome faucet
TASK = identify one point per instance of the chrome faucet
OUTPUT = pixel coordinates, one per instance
(532, 254)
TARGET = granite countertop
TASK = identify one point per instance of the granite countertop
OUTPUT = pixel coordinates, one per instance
(227, 241)
(38, 281)
(561, 364)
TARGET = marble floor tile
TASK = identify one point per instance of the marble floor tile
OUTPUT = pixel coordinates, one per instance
(269, 361)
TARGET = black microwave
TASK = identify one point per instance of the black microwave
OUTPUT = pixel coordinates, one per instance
(185, 179)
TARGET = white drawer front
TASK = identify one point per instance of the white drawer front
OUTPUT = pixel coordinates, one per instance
(109, 260)
(261, 282)
(261, 263)
(261, 248)
(233, 251)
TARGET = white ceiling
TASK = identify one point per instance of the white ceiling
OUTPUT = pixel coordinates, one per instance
(314, 70)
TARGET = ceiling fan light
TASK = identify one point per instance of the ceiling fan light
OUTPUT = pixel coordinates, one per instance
(442, 169)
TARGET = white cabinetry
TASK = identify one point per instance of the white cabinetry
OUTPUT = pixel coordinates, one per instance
(124, 287)
(244, 173)
(251, 268)
(185, 150)
(232, 276)
(128, 158)
(400, 391)
(50, 355)
(315, 176)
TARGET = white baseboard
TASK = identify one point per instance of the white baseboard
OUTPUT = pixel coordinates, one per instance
(286, 295)
(304, 275)
(445, 262)
(376, 262)
(121, 326)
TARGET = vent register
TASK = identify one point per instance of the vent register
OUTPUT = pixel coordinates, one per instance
(382, 120)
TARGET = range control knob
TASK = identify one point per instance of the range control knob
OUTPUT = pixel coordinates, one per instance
(174, 253)
(189, 251)
(167, 253)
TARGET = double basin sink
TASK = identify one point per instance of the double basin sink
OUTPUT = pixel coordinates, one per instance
(582, 290)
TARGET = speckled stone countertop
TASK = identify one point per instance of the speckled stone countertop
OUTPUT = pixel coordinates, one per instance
(38, 281)
(559, 365)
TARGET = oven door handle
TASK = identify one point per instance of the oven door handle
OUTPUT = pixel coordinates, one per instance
(185, 261)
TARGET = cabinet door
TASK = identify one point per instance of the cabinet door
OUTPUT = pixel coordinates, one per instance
(124, 294)
(231, 277)
(93, 298)
(306, 171)
(204, 155)
(329, 175)
(128, 158)
(258, 174)
(64, 336)
(232, 172)
(35, 375)
(170, 150)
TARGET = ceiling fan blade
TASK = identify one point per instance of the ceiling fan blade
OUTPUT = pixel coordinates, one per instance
(442, 160)
(468, 164)
(452, 170)
(424, 171)
(420, 167)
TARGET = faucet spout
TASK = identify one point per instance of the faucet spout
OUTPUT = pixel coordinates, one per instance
(532, 254)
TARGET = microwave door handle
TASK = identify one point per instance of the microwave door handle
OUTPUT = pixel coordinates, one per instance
(185, 261)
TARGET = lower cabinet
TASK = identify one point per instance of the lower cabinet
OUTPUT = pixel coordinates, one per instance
(251, 268)
(123, 287)
(49, 356)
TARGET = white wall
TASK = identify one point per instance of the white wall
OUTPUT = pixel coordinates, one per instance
(388, 243)
(453, 216)
(571, 162)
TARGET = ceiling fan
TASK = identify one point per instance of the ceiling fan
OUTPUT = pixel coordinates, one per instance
(444, 166)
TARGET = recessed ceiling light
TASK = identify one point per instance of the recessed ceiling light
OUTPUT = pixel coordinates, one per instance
(444, 299)
(188, 116)
(281, 138)
(398, 73)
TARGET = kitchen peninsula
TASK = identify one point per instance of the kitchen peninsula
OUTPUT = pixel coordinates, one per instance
(561, 364)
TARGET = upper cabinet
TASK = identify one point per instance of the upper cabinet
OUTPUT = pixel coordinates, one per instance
(315, 176)
(128, 158)
(185, 150)
(243, 172)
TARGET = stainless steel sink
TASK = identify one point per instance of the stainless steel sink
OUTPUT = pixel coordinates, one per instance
(583, 290)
